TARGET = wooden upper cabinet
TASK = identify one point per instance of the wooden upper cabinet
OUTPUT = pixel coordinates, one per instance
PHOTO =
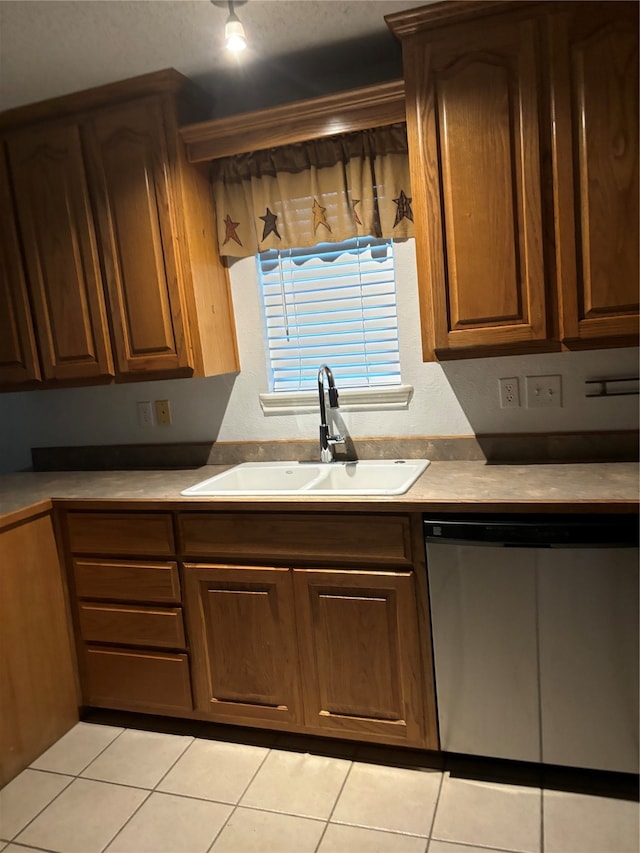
(119, 237)
(56, 224)
(128, 161)
(523, 145)
(594, 83)
(472, 116)
(18, 353)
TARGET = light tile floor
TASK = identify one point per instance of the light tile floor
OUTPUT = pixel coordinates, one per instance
(121, 790)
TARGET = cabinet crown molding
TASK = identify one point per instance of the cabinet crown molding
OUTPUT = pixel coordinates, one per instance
(168, 81)
(313, 118)
(403, 24)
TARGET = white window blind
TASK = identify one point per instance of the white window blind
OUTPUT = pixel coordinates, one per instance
(333, 303)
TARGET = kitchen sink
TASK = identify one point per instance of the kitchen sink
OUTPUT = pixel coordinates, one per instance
(365, 477)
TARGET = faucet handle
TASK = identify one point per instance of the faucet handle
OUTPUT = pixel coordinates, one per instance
(335, 439)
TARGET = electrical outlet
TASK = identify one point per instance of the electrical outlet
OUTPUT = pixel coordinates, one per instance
(544, 392)
(163, 413)
(509, 393)
(145, 414)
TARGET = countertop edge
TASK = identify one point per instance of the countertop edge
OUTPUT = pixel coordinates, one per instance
(25, 513)
(456, 486)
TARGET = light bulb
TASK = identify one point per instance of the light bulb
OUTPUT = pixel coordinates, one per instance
(234, 37)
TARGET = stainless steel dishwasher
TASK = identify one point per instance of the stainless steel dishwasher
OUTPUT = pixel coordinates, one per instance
(535, 635)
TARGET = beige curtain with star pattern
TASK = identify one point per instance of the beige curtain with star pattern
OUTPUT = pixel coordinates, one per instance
(323, 191)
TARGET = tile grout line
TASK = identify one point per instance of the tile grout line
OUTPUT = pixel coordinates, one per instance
(435, 808)
(150, 790)
(96, 757)
(72, 778)
(118, 831)
(169, 769)
(333, 808)
(235, 807)
(381, 829)
(475, 846)
(29, 822)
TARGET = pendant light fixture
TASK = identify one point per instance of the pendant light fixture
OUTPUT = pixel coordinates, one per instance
(234, 36)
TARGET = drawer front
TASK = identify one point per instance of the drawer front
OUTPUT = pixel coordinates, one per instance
(127, 581)
(311, 539)
(121, 533)
(132, 625)
(142, 681)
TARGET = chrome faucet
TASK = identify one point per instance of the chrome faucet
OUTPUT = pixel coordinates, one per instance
(327, 441)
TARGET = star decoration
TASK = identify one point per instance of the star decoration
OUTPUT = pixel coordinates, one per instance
(230, 231)
(404, 208)
(270, 227)
(356, 218)
(318, 216)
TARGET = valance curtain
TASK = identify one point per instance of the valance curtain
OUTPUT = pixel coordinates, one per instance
(322, 191)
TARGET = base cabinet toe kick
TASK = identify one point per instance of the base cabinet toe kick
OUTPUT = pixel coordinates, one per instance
(300, 622)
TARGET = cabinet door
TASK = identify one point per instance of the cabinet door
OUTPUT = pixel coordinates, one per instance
(130, 170)
(360, 654)
(18, 353)
(242, 629)
(60, 252)
(472, 118)
(589, 637)
(594, 53)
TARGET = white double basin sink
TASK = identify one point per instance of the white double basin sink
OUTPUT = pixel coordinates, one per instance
(364, 477)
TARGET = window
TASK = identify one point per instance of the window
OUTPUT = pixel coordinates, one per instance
(335, 304)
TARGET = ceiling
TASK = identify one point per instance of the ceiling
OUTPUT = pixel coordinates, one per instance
(298, 48)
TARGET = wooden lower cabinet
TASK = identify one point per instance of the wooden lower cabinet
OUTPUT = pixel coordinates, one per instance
(244, 657)
(129, 622)
(258, 620)
(137, 680)
(360, 653)
(38, 691)
(336, 652)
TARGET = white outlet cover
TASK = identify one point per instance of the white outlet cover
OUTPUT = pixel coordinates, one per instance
(145, 413)
(509, 390)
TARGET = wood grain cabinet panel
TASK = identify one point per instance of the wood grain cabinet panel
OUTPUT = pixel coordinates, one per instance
(38, 693)
(472, 118)
(317, 538)
(119, 238)
(132, 625)
(360, 653)
(121, 580)
(120, 533)
(241, 624)
(522, 121)
(594, 53)
(56, 225)
(128, 161)
(18, 352)
(137, 680)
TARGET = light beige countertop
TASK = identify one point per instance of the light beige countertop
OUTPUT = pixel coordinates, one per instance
(455, 486)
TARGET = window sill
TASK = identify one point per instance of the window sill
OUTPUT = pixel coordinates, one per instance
(351, 400)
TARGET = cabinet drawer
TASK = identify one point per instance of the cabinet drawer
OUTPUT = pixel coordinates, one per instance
(137, 680)
(127, 581)
(120, 533)
(301, 537)
(132, 625)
